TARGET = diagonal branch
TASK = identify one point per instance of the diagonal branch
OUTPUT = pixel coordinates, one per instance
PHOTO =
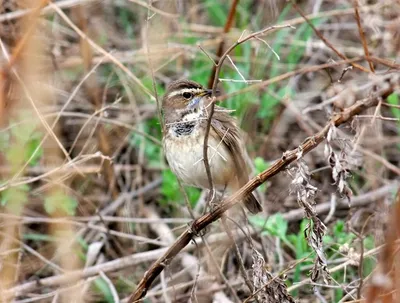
(279, 165)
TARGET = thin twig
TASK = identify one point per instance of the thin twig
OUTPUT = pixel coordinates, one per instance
(303, 70)
(327, 43)
(153, 78)
(307, 281)
(236, 69)
(238, 255)
(271, 49)
(101, 50)
(207, 54)
(362, 36)
(283, 272)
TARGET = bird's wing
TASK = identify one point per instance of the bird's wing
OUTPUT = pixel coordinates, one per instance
(228, 132)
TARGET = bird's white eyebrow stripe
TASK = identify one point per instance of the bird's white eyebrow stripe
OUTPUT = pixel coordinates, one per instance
(185, 90)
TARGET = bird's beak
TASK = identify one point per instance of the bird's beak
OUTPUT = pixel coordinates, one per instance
(208, 92)
(196, 100)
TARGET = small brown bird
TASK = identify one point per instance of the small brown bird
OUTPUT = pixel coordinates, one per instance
(185, 109)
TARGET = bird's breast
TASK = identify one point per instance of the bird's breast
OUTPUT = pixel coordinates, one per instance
(184, 154)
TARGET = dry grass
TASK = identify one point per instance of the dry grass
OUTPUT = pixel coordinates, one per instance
(88, 203)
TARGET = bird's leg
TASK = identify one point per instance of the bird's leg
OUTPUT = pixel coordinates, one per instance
(212, 194)
(216, 197)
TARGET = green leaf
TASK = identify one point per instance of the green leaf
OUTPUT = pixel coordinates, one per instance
(260, 164)
(32, 148)
(14, 198)
(103, 288)
(369, 263)
(393, 99)
(152, 150)
(201, 67)
(268, 107)
(169, 186)
(62, 202)
(82, 242)
(193, 195)
(276, 225)
(15, 155)
(22, 132)
(25, 143)
(217, 12)
(39, 237)
(172, 193)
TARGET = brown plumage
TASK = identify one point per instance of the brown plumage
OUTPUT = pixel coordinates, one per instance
(185, 112)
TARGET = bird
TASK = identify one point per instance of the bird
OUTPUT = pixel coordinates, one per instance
(185, 110)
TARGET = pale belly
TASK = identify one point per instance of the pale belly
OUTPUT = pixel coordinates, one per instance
(185, 158)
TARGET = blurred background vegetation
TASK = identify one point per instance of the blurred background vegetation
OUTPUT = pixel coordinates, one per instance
(83, 181)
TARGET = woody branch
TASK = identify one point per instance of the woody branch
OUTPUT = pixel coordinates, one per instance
(279, 165)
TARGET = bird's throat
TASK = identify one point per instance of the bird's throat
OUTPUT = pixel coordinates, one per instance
(183, 129)
(188, 123)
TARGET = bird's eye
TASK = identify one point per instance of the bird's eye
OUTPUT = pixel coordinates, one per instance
(187, 95)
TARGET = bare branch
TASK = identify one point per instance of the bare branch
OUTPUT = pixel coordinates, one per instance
(278, 166)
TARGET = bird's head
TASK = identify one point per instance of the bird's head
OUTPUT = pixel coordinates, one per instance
(184, 96)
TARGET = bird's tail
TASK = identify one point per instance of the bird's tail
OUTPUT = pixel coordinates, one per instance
(252, 204)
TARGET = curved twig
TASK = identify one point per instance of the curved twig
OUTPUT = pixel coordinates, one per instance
(214, 90)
